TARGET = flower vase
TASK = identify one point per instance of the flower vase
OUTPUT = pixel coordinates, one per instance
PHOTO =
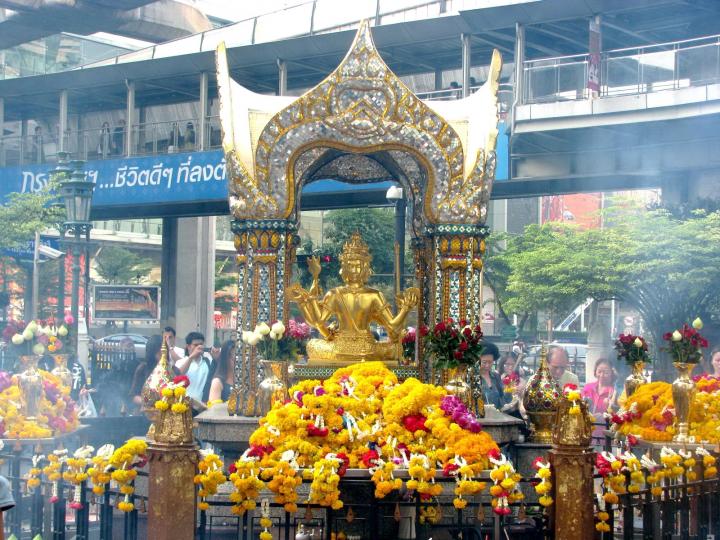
(31, 387)
(683, 392)
(61, 370)
(273, 387)
(635, 379)
(455, 381)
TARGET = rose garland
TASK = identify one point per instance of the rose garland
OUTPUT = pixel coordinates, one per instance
(209, 477)
(572, 394)
(610, 468)
(125, 460)
(244, 477)
(76, 473)
(505, 489)
(542, 488)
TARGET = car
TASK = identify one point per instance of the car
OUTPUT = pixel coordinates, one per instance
(139, 342)
(577, 353)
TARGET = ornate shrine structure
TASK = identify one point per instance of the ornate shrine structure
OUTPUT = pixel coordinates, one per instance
(361, 124)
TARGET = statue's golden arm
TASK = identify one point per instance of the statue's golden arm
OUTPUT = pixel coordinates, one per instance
(313, 310)
(395, 324)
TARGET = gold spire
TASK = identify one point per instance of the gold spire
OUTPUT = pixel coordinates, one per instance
(355, 249)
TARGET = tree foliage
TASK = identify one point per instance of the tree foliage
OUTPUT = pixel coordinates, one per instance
(663, 266)
(24, 214)
(120, 266)
(376, 226)
(225, 282)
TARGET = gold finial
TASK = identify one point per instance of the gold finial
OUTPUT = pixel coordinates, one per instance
(159, 377)
(355, 249)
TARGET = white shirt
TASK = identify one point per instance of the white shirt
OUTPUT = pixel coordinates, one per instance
(197, 372)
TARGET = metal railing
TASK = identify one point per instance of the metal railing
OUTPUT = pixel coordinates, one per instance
(640, 70)
(108, 142)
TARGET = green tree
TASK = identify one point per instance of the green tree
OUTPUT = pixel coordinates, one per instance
(225, 295)
(664, 267)
(118, 265)
(24, 214)
(551, 267)
(375, 225)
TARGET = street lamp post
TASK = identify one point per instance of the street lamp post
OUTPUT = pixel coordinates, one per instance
(76, 191)
(395, 195)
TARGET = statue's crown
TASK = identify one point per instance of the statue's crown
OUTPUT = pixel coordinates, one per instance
(355, 249)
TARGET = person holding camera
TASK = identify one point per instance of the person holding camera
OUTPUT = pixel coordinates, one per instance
(199, 366)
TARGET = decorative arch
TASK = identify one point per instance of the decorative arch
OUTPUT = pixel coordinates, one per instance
(362, 116)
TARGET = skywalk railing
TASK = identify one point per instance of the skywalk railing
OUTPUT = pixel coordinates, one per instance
(639, 70)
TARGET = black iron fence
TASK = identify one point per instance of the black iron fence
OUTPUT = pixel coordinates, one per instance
(682, 509)
(46, 510)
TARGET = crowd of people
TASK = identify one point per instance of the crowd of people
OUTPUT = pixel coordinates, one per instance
(209, 369)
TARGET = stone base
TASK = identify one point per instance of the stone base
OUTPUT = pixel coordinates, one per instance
(502, 427)
(230, 434)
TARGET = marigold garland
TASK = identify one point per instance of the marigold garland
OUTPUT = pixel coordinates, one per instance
(284, 480)
(544, 486)
(52, 472)
(99, 472)
(244, 477)
(76, 473)
(125, 460)
(33, 475)
(209, 477)
(325, 487)
(572, 394)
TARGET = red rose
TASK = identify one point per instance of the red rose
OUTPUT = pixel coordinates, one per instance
(369, 458)
(184, 380)
(450, 468)
(424, 330)
(458, 355)
(467, 332)
(463, 346)
(667, 336)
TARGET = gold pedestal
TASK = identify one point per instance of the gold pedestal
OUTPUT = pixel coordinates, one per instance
(572, 514)
(171, 492)
(541, 426)
(635, 379)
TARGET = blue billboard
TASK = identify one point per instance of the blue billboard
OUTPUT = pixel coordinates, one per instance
(159, 179)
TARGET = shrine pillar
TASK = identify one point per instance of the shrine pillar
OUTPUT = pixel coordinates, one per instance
(572, 459)
(266, 252)
(452, 276)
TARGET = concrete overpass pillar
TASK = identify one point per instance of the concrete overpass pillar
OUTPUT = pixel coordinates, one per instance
(282, 77)
(188, 275)
(466, 64)
(202, 127)
(63, 121)
(130, 116)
